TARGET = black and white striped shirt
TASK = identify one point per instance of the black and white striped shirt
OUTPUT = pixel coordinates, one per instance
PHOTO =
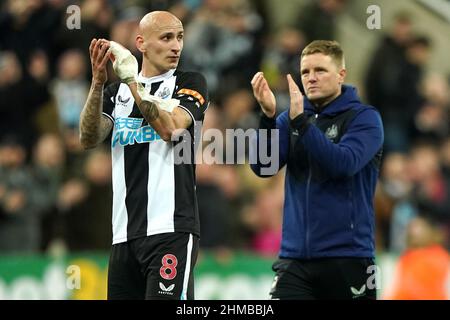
(152, 194)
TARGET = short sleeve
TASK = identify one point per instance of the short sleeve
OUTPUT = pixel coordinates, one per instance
(109, 96)
(192, 93)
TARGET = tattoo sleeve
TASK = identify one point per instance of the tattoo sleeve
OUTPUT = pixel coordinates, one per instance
(93, 126)
(149, 111)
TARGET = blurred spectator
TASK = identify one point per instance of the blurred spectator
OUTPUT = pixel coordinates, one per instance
(424, 188)
(86, 205)
(432, 121)
(410, 97)
(237, 109)
(38, 67)
(317, 20)
(96, 19)
(384, 67)
(423, 269)
(217, 187)
(125, 32)
(70, 89)
(76, 155)
(21, 97)
(264, 219)
(215, 207)
(19, 216)
(48, 167)
(28, 25)
(12, 95)
(281, 59)
(431, 190)
(429, 193)
(393, 78)
(393, 209)
(223, 43)
(445, 158)
(182, 9)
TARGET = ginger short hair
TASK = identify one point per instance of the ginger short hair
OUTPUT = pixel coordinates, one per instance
(328, 48)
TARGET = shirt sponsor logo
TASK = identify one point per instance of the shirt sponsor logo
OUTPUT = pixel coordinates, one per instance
(128, 131)
(166, 291)
(122, 101)
(358, 293)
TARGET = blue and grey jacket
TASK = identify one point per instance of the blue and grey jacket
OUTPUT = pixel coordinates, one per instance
(333, 160)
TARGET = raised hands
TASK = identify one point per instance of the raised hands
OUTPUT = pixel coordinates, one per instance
(266, 98)
(296, 107)
(99, 53)
(264, 95)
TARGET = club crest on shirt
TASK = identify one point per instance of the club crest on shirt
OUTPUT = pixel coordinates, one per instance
(332, 132)
(164, 93)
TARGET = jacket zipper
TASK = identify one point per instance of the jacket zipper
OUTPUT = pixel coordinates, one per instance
(307, 209)
(307, 198)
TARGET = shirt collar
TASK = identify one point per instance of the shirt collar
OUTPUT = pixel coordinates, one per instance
(157, 78)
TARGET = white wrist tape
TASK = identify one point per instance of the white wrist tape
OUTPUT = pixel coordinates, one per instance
(125, 64)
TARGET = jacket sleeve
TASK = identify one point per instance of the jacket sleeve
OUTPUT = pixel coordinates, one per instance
(363, 139)
(269, 147)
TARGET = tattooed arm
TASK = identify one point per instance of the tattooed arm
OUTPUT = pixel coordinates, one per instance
(165, 123)
(94, 127)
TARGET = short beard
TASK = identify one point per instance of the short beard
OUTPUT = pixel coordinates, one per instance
(320, 103)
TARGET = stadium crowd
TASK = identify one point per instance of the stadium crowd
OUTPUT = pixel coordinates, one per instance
(54, 195)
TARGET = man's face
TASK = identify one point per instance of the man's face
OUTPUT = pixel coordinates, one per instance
(163, 45)
(321, 78)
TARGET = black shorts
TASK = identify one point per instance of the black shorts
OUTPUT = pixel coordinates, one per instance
(328, 278)
(154, 267)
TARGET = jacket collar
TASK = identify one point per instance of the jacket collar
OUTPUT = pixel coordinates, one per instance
(346, 100)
